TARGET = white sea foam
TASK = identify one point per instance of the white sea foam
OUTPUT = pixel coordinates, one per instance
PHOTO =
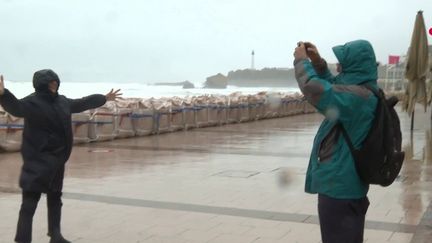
(137, 90)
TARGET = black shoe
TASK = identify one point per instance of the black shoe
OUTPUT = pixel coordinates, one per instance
(58, 239)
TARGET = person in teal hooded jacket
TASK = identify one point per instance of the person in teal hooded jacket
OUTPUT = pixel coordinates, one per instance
(343, 100)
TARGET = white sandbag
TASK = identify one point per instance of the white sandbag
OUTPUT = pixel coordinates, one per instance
(80, 127)
(176, 114)
(260, 106)
(261, 110)
(143, 118)
(233, 109)
(124, 125)
(189, 114)
(102, 123)
(162, 115)
(213, 119)
(11, 129)
(201, 111)
(143, 122)
(244, 109)
(218, 110)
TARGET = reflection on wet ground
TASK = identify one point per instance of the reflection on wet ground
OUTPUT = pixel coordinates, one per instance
(219, 184)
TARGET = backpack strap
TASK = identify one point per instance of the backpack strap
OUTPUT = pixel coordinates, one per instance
(377, 93)
(342, 128)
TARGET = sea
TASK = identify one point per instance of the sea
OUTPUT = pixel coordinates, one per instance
(139, 90)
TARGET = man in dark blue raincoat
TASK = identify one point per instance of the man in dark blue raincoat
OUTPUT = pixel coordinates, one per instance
(46, 146)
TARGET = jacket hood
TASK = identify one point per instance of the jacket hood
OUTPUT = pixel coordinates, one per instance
(358, 62)
(42, 78)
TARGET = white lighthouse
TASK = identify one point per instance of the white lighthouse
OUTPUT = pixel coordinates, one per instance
(253, 60)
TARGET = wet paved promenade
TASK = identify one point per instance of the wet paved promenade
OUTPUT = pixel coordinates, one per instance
(218, 184)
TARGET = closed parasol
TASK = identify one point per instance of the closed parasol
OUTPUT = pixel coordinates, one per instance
(417, 67)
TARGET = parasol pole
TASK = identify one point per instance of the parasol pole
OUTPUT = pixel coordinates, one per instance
(412, 120)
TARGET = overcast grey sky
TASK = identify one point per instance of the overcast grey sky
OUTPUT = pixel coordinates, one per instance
(177, 40)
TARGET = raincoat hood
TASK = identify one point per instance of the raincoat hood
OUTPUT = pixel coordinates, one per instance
(42, 78)
(358, 62)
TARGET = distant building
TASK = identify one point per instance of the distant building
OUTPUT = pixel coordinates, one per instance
(392, 76)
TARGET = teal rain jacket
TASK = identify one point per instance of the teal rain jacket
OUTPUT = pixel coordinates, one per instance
(343, 99)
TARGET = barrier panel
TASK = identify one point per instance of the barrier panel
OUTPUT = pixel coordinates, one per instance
(290, 106)
(261, 109)
(213, 117)
(223, 114)
(399, 94)
(284, 107)
(253, 107)
(298, 105)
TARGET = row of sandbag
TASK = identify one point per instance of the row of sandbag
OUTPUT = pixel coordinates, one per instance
(140, 117)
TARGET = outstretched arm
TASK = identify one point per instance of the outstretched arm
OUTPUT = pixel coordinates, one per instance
(9, 102)
(93, 101)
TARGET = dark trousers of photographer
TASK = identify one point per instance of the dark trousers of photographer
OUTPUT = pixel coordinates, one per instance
(342, 220)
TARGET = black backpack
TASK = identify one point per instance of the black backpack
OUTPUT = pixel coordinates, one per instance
(379, 160)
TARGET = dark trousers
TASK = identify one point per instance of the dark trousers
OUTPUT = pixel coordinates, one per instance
(28, 207)
(342, 220)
